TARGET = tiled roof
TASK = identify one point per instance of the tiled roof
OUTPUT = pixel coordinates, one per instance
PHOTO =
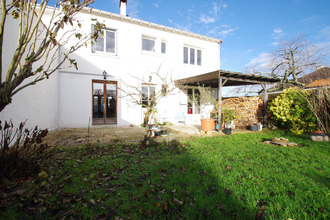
(318, 83)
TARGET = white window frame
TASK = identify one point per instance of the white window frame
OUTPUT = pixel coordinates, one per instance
(192, 55)
(191, 105)
(105, 41)
(161, 47)
(149, 93)
(150, 39)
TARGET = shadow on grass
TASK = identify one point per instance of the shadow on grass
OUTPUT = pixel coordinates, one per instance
(166, 180)
(193, 188)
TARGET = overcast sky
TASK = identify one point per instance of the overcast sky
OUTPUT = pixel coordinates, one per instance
(250, 29)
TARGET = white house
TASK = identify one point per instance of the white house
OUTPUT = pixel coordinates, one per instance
(131, 48)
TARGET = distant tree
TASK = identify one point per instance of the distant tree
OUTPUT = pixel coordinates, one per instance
(36, 55)
(291, 60)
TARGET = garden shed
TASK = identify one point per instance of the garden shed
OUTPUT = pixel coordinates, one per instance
(221, 78)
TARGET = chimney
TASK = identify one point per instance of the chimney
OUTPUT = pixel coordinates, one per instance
(122, 6)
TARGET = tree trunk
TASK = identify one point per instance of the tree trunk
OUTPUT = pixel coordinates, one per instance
(146, 117)
(5, 97)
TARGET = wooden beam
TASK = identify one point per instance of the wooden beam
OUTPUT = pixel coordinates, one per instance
(219, 101)
(264, 85)
(241, 80)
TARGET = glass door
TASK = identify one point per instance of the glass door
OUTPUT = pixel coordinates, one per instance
(104, 102)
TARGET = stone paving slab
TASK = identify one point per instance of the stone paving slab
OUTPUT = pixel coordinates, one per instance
(104, 135)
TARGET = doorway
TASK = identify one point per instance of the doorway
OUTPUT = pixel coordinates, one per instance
(104, 102)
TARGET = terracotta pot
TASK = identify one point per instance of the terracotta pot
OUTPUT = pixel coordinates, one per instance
(207, 124)
(318, 132)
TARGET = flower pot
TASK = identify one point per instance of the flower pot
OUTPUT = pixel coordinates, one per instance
(254, 127)
(207, 124)
(227, 131)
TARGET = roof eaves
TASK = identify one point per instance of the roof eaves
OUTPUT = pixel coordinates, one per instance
(150, 24)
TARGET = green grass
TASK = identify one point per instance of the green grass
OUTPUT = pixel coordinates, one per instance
(224, 177)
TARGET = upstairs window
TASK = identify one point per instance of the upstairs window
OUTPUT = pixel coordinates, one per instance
(192, 56)
(163, 47)
(148, 93)
(106, 42)
(148, 44)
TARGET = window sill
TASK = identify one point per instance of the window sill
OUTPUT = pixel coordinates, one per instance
(109, 55)
(188, 64)
(148, 53)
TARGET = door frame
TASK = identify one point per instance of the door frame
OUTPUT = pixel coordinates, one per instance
(104, 120)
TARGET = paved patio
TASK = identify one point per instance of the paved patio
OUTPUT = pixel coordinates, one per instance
(109, 134)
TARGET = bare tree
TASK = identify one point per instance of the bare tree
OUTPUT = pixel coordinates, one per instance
(291, 60)
(37, 54)
(144, 94)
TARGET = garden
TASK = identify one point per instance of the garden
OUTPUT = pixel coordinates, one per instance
(239, 176)
(228, 177)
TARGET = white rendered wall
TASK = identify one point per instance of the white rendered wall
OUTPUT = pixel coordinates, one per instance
(65, 100)
(38, 103)
(75, 86)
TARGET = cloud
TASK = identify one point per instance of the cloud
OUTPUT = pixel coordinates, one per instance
(262, 60)
(229, 31)
(206, 19)
(277, 36)
(222, 31)
(186, 27)
(217, 7)
(156, 5)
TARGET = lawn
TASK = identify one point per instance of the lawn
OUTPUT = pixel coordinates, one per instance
(224, 177)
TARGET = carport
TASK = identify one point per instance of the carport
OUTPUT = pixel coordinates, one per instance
(221, 78)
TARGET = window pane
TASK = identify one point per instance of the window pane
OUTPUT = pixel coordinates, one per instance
(99, 45)
(148, 44)
(144, 92)
(197, 103)
(152, 92)
(185, 55)
(110, 42)
(163, 47)
(192, 56)
(199, 57)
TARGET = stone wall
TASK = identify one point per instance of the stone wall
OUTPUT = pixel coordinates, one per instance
(249, 110)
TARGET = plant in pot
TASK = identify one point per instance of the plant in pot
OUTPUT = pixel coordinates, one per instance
(228, 115)
(208, 103)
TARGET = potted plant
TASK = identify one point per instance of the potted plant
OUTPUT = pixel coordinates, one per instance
(228, 115)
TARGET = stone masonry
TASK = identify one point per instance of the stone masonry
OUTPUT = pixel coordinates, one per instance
(248, 110)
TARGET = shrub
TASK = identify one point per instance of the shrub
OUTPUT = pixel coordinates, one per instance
(20, 149)
(319, 102)
(290, 111)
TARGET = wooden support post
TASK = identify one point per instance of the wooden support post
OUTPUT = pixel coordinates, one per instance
(265, 105)
(219, 102)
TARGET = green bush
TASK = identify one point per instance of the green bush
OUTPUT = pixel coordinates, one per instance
(290, 111)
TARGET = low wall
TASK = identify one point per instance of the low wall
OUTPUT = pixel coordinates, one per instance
(249, 110)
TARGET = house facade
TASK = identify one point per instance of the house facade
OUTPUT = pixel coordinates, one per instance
(128, 50)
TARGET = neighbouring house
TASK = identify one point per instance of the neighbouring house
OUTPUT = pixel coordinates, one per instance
(130, 48)
(313, 80)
